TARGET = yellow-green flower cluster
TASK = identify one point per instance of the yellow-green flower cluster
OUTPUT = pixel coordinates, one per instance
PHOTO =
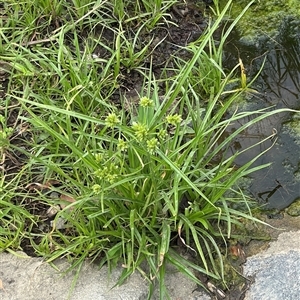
(174, 119)
(140, 131)
(108, 173)
(146, 102)
(96, 189)
(162, 134)
(122, 145)
(152, 145)
(112, 120)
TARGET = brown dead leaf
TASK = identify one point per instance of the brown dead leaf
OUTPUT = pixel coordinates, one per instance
(183, 241)
(237, 251)
(36, 186)
(67, 199)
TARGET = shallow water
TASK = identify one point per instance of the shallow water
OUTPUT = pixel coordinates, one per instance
(279, 86)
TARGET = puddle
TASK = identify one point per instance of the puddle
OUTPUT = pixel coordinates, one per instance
(279, 86)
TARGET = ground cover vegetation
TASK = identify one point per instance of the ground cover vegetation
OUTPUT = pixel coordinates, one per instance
(112, 145)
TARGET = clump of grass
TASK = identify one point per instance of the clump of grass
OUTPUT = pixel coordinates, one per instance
(15, 221)
(142, 179)
(5, 133)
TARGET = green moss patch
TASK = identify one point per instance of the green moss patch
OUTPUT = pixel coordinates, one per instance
(263, 18)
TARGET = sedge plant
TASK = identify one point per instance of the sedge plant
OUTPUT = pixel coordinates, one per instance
(143, 179)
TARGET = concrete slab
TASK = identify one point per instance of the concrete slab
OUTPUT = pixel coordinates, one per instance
(276, 271)
(26, 278)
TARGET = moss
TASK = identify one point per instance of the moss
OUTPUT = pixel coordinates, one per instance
(294, 209)
(293, 128)
(264, 17)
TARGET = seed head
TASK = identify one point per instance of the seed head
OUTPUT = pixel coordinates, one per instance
(140, 131)
(112, 120)
(122, 145)
(152, 145)
(146, 102)
(173, 119)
